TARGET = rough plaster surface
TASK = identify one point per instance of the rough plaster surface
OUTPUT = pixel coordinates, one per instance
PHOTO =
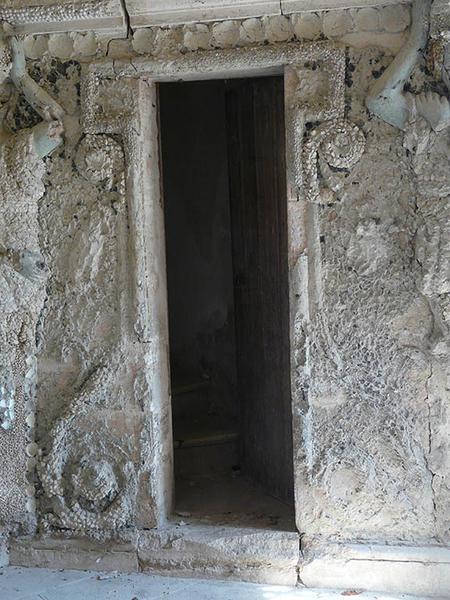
(88, 371)
(371, 341)
(374, 426)
(21, 304)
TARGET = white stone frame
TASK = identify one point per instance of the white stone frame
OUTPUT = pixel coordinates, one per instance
(120, 97)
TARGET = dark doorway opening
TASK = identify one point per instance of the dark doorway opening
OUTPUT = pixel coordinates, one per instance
(224, 179)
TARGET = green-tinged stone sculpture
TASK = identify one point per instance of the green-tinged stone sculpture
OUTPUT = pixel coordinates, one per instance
(387, 98)
(22, 268)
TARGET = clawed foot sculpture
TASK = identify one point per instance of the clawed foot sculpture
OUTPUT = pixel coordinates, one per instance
(435, 109)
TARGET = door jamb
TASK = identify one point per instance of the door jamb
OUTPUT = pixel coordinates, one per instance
(120, 97)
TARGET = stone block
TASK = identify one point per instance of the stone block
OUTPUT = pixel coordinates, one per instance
(395, 18)
(337, 23)
(79, 554)
(197, 37)
(307, 26)
(278, 29)
(252, 31)
(225, 34)
(367, 19)
(221, 552)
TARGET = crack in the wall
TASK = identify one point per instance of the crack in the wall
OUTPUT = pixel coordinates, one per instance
(430, 443)
(399, 561)
(126, 15)
(301, 558)
(427, 387)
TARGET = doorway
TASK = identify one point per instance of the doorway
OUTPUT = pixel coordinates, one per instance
(224, 189)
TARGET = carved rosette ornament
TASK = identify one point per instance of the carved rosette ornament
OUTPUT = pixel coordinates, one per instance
(337, 146)
(89, 478)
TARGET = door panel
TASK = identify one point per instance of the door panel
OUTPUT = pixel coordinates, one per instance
(258, 197)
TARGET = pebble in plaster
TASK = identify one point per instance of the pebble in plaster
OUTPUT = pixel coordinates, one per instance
(272, 29)
(337, 23)
(391, 418)
(433, 246)
(422, 117)
(379, 324)
(252, 31)
(84, 44)
(225, 34)
(88, 9)
(315, 87)
(5, 60)
(168, 41)
(61, 45)
(367, 250)
(201, 36)
(278, 28)
(143, 40)
(378, 376)
(35, 46)
(86, 471)
(367, 19)
(197, 37)
(307, 26)
(90, 478)
(342, 484)
(395, 18)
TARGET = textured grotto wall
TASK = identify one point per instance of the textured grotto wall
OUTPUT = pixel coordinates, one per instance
(89, 429)
(375, 431)
(374, 461)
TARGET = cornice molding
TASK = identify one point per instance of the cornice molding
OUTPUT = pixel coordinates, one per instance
(61, 16)
(162, 12)
(28, 17)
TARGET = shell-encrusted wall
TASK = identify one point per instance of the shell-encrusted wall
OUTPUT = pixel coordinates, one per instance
(382, 26)
(370, 341)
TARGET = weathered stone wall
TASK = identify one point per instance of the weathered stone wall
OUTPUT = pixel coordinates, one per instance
(374, 464)
(374, 430)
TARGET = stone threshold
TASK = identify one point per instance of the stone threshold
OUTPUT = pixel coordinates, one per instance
(194, 550)
(251, 555)
(423, 571)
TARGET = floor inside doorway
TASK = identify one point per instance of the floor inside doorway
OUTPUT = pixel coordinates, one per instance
(230, 499)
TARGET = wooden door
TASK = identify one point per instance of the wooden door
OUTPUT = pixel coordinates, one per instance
(258, 197)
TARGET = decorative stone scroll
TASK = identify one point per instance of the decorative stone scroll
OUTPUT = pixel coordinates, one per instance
(336, 145)
(315, 93)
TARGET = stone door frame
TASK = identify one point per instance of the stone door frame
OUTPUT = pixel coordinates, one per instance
(120, 97)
